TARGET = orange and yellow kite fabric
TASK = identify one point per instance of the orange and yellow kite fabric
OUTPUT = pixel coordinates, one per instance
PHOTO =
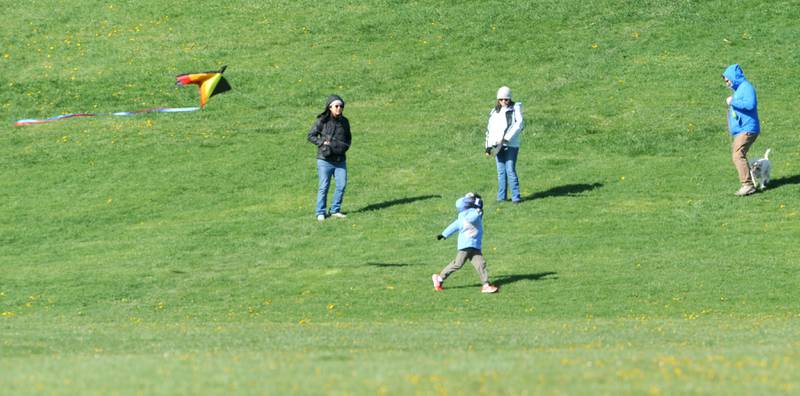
(210, 83)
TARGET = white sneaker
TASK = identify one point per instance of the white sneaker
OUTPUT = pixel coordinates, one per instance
(321, 217)
(339, 215)
(745, 190)
(437, 282)
(487, 288)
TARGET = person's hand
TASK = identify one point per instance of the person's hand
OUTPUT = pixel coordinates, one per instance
(729, 100)
(440, 237)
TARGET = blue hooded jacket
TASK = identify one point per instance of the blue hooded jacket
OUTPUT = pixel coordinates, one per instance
(743, 111)
(469, 225)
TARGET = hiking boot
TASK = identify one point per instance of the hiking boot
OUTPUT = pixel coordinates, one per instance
(746, 189)
(437, 282)
(321, 217)
(487, 288)
(339, 215)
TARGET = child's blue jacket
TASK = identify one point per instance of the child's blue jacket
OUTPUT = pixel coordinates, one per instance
(469, 226)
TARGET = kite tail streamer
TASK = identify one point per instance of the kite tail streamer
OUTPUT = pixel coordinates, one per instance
(31, 121)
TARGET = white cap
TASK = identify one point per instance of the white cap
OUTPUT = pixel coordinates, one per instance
(504, 93)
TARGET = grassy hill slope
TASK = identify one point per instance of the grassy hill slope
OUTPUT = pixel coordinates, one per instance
(179, 254)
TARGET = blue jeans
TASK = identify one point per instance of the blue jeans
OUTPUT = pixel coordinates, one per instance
(507, 168)
(325, 170)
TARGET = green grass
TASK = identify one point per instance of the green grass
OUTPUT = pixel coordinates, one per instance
(178, 253)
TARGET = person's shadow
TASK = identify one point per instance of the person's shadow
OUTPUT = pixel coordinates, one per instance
(393, 202)
(782, 181)
(562, 191)
(387, 265)
(508, 279)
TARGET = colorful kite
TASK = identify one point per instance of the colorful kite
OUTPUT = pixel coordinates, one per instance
(210, 83)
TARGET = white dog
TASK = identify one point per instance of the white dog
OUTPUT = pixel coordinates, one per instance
(760, 170)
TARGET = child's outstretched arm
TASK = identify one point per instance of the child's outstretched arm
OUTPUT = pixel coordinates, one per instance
(450, 230)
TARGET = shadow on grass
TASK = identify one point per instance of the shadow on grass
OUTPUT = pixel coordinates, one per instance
(563, 191)
(782, 181)
(388, 265)
(401, 201)
(508, 279)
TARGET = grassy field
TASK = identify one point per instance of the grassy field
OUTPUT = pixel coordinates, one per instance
(170, 254)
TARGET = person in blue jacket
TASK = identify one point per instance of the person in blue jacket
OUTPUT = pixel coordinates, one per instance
(743, 123)
(470, 235)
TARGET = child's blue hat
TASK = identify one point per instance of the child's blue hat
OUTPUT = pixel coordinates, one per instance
(471, 200)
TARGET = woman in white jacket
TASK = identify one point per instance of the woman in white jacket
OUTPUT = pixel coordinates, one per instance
(503, 138)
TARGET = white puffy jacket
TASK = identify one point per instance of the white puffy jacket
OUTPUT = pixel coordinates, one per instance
(498, 129)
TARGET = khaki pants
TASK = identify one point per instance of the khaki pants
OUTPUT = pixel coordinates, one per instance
(473, 255)
(741, 144)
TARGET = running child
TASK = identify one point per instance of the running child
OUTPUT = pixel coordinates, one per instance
(470, 234)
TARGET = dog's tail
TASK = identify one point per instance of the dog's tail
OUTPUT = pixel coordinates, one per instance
(766, 154)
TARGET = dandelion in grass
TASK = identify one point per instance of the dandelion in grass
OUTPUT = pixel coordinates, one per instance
(413, 378)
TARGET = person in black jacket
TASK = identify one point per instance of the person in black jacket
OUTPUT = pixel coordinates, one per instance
(331, 134)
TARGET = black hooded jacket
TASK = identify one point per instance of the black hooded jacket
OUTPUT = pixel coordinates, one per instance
(336, 131)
